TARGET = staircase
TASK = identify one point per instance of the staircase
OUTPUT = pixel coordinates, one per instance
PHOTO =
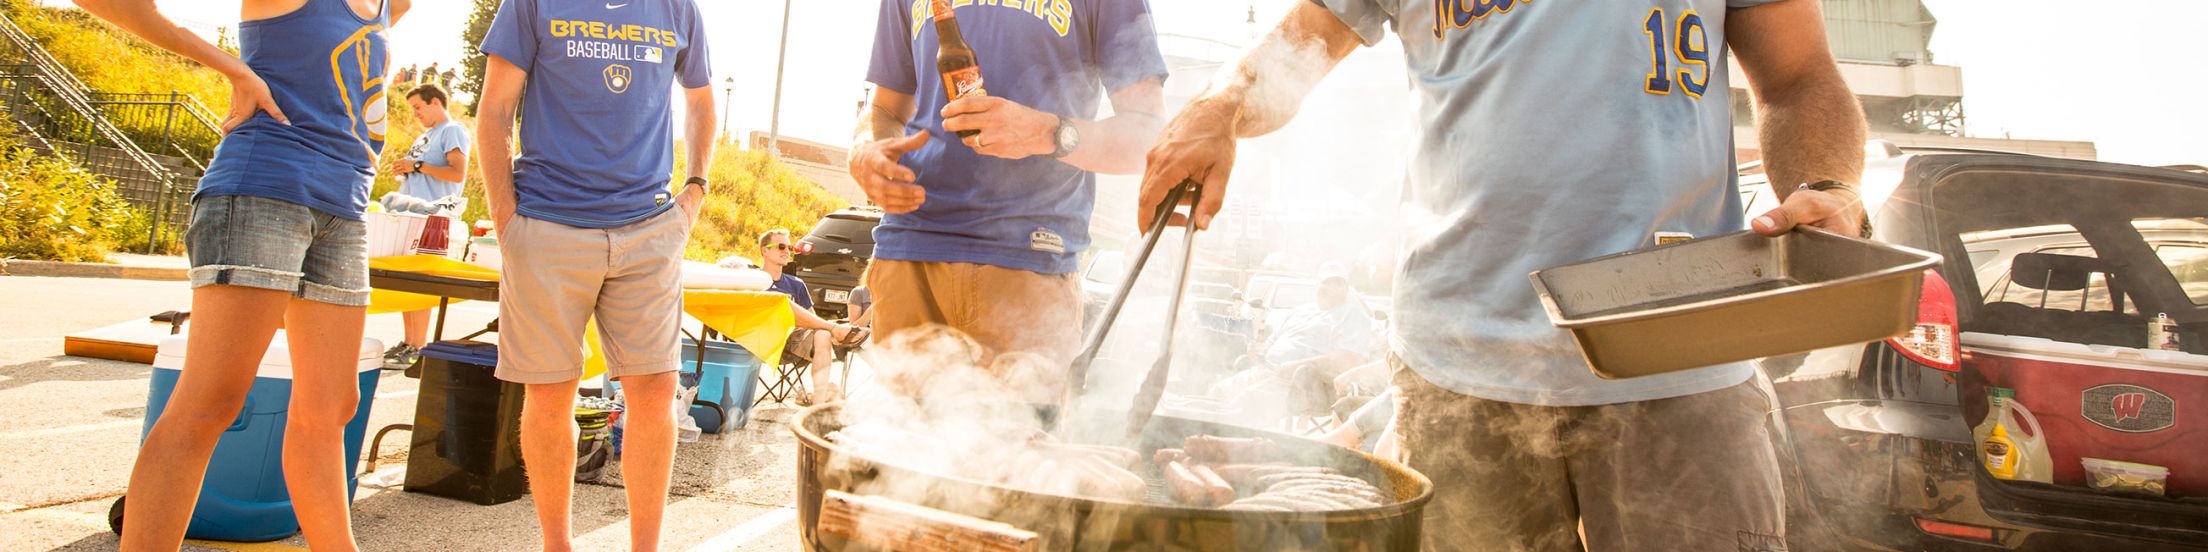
(153, 146)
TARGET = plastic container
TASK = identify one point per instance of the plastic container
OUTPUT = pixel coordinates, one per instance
(2126, 477)
(391, 234)
(2005, 448)
(467, 427)
(243, 497)
(483, 252)
(728, 384)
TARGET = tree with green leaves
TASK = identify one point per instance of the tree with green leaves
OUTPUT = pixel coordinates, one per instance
(479, 24)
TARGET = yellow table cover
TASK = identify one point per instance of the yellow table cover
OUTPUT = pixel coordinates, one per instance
(760, 321)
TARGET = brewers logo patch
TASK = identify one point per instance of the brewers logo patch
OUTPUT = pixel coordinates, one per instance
(2128, 408)
(617, 78)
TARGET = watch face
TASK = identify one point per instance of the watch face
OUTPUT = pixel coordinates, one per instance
(1068, 138)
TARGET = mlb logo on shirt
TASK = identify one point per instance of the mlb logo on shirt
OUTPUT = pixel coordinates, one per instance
(651, 55)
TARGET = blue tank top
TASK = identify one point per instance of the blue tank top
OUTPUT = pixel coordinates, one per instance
(324, 65)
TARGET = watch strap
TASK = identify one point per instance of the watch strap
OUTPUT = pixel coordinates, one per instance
(703, 185)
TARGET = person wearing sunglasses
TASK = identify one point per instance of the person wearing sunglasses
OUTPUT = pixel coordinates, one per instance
(815, 340)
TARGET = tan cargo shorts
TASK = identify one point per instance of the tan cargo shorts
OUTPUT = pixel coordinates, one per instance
(556, 277)
(1005, 310)
(1686, 473)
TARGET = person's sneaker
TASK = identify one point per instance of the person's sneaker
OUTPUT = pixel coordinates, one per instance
(401, 355)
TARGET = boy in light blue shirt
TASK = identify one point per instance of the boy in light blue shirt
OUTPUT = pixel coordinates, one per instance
(430, 177)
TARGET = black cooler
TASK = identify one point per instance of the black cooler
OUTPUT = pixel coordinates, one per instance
(467, 427)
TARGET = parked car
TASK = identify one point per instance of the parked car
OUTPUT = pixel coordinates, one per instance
(2051, 271)
(834, 255)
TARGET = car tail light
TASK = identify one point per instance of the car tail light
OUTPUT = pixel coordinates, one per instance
(1956, 530)
(807, 247)
(1933, 340)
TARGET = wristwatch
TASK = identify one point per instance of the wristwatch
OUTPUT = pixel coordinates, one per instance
(1067, 139)
(700, 182)
(1828, 185)
(417, 165)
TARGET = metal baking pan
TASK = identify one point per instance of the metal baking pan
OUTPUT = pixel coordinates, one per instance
(1732, 297)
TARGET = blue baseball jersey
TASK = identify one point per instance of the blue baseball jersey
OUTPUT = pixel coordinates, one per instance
(431, 150)
(597, 129)
(1550, 133)
(324, 66)
(1057, 56)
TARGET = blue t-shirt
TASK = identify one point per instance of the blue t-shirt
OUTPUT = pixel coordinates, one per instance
(324, 66)
(1027, 214)
(789, 285)
(431, 150)
(597, 130)
(1550, 133)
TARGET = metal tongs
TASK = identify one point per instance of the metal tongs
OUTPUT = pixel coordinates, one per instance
(1153, 385)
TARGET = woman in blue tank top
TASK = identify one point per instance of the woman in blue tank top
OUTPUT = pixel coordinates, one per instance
(276, 236)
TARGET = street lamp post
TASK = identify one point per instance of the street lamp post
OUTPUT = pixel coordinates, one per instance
(729, 89)
(774, 124)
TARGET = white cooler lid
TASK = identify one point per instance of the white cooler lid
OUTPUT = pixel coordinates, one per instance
(275, 364)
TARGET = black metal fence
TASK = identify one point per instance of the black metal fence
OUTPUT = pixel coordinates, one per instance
(108, 134)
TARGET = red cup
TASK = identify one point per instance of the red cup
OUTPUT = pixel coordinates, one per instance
(436, 236)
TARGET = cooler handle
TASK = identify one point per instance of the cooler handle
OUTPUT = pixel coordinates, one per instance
(245, 416)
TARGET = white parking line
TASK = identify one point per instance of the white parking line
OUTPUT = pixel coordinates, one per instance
(29, 339)
(750, 531)
(65, 430)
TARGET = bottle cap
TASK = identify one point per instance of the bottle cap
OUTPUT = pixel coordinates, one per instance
(2002, 392)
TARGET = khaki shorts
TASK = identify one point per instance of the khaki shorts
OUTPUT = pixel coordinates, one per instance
(1005, 310)
(1686, 473)
(556, 277)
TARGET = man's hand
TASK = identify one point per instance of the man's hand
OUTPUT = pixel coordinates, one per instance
(1838, 210)
(1005, 128)
(874, 165)
(402, 166)
(1197, 145)
(248, 95)
(692, 202)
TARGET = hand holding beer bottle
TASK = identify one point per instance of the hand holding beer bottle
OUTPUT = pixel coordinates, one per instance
(954, 59)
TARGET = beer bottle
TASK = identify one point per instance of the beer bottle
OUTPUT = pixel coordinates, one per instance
(954, 60)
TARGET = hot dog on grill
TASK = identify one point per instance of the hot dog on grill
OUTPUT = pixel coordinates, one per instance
(1188, 488)
(1221, 492)
(1207, 449)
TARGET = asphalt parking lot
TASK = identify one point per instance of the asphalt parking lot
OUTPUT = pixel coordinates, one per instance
(70, 426)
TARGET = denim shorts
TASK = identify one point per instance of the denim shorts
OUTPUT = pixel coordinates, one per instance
(267, 243)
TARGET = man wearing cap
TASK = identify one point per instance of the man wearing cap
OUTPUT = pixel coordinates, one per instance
(1550, 133)
(590, 226)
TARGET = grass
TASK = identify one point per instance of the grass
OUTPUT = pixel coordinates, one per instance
(752, 192)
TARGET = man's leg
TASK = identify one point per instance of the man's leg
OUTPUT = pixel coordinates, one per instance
(823, 357)
(1652, 483)
(548, 433)
(417, 328)
(552, 276)
(230, 332)
(648, 453)
(1499, 483)
(639, 323)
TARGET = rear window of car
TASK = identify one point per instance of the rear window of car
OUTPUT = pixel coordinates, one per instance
(853, 231)
(2094, 298)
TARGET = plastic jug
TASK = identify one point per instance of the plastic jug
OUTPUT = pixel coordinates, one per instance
(2005, 447)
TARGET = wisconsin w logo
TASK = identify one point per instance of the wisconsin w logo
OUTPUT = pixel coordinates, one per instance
(2128, 408)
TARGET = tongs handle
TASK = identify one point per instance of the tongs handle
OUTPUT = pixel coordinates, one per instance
(1079, 374)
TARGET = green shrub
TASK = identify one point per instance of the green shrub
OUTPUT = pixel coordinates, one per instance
(753, 193)
(55, 211)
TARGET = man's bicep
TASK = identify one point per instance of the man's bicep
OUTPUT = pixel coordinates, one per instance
(1780, 44)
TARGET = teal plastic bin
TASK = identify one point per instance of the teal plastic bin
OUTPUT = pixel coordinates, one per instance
(243, 497)
(726, 384)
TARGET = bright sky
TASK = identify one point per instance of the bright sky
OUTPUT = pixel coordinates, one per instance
(2125, 75)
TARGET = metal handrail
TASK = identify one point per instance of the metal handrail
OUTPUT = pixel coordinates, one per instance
(56, 79)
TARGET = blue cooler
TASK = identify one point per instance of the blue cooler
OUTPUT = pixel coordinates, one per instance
(726, 387)
(243, 496)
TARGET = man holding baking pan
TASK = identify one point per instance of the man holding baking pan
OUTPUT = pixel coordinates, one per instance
(1554, 133)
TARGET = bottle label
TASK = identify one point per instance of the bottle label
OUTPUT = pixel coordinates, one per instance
(964, 82)
(1997, 457)
(939, 9)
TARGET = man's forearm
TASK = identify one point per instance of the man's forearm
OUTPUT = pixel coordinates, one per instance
(699, 136)
(497, 161)
(880, 124)
(1115, 145)
(448, 173)
(1814, 133)
(1268, 85)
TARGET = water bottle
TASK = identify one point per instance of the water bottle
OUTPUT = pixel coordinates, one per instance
(2162, 333)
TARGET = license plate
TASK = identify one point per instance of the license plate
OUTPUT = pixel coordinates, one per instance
(838, 296)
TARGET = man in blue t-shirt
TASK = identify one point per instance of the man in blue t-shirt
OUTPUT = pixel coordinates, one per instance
(430, 177)
(983, 233)
(1554, 132)
(589, 226)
